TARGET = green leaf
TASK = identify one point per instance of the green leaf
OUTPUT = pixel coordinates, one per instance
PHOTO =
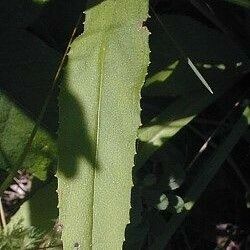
(199, 75)
(209, 168)
(242, 3)
(162, 75)
(159, 131)
(99, 117)
(15, 128)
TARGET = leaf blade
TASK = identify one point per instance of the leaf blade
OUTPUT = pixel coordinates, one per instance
(105, 73)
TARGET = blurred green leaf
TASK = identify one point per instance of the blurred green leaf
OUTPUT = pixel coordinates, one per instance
(157, 132)
(18, 237)
(161, 76)
(243, 3)
(41, 1)
(26, 75)
(15, 128)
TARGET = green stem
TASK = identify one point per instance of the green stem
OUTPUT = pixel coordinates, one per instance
(2, 215)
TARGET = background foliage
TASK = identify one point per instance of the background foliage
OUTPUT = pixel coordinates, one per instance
(193, 147)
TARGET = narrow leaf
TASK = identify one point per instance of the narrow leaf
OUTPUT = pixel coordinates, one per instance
(99, 117)
(199, 75)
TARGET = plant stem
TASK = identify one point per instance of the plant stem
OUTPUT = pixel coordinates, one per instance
(2, 215)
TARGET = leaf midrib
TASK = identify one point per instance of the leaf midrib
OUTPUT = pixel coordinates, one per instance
(101, 61)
